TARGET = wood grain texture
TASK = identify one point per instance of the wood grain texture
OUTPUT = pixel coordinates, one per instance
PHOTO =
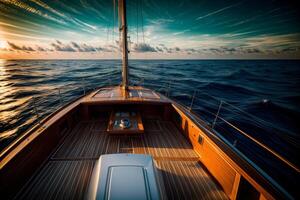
(67, 173)
(90, 140)
(59, 180)
(188, 180)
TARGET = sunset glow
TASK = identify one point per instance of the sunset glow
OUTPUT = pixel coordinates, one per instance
(187, 29)
(3, 44)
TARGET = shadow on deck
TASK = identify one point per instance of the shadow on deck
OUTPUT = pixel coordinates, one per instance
(67, 172)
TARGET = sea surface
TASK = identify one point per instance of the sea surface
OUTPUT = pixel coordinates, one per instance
(260, 97)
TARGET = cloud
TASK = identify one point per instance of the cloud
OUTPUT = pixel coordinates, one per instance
(112, 47)
(177, 49)
(15, 47)
(58, 42)
(85, 47)
(251, 47)
(159, 49)
(182, 32)
(192, 50)
(45, 11)
(217, 11)
(143, 47)
(161, 21)
(33, 10)
(225, 49)
(253, 18)
(42, 49)
(230, 50)
(291, 49)
(77, 47)
(59, 46)
(163, 48)
(252, 50)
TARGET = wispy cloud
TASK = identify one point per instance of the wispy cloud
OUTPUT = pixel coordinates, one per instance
(47, 7)
(31, 9)
(86, 48)
(52, 15)
(248, 48)
(81, 47)
(59, 46)
(161, 21)
(218, 11)
(23, 36)
(182, 32)
(2, 24)
(15, 47)
(253, 18)
(169, 30)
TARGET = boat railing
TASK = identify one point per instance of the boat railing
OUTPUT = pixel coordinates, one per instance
(47, 101)
(54, 98)
(50, 101)
(217, 113)
(224, 105)
(213, 111)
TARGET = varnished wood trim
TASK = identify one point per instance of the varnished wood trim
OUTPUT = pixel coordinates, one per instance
(235, 188)
(264, 184)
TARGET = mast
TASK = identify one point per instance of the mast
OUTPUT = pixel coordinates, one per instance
(124, 45)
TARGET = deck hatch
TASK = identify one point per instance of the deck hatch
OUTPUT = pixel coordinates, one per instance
(148, 94)
(133, 94)
(124, 176)
(116, 93)
(127, 182)
(108, 93)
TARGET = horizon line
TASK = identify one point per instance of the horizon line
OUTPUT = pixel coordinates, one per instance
(119, 59)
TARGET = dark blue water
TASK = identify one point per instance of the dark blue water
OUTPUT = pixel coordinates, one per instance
(260, 97)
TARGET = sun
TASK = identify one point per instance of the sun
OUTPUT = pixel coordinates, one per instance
(3, 44)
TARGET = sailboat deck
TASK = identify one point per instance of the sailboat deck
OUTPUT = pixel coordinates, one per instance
(67, 172)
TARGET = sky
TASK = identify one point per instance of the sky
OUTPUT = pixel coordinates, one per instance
(158, 29)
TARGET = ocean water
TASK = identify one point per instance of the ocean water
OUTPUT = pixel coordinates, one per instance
(261, 97)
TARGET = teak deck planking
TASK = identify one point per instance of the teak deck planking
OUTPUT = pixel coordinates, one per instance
(66, 174)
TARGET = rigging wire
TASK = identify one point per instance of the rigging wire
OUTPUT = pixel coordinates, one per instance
(114, 21)
(107, 33)
(142, 22)
(137, 22)
(261, 123)
(120, 27)
(108, 26)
